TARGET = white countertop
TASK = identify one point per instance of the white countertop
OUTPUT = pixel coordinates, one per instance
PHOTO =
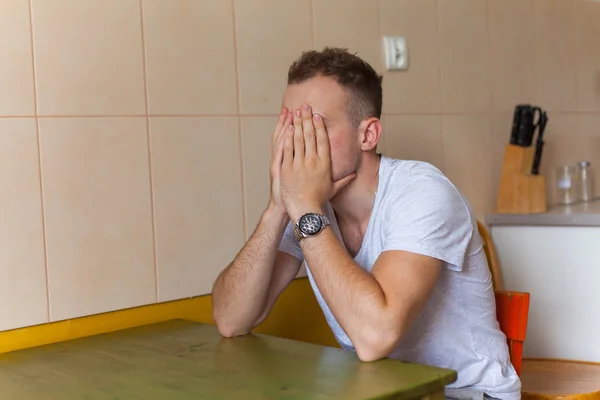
(580, 214)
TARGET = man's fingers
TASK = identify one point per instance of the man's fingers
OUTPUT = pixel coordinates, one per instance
(278, 149)
(280, 124)
(322, 138)
(288, 146)
(280, 133)
(298, 137)
(339, 185)
(310, 143)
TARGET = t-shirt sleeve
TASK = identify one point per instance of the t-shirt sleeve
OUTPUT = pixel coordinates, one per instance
(429, 216)
(289, 244)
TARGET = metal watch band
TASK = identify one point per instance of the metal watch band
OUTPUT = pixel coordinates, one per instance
(298, 235)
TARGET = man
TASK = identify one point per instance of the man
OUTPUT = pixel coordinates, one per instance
(391, 247)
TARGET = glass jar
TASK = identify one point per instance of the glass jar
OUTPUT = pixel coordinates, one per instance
(566, 184)
(584, 181)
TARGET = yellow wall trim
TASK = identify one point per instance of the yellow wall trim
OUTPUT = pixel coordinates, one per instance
(296, 315)
(197, 308)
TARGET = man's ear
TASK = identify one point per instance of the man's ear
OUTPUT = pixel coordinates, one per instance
(370, 133)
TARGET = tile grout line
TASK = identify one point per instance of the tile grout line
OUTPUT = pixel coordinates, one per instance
(488, 16)
(239, 123)
(577, 52)
(313, 26)
(39, 149)
(535, 23)
(425, 113)
(383, 136)
(440, 85)
(535, 65)
(438, 27)
(122, 116)
(491, 99)
(150, 175)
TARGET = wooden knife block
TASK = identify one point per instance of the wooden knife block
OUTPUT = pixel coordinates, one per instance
(520, 192)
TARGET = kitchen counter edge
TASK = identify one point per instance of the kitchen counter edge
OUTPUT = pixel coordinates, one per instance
(581, 214)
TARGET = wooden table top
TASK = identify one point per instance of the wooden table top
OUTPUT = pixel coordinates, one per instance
(187, 360)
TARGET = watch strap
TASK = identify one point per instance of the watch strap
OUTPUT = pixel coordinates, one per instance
(299, 235)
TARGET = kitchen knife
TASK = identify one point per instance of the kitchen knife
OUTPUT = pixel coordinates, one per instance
(537, 158)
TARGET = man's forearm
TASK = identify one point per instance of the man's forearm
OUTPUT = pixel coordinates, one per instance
(352, 294)
(240, 292)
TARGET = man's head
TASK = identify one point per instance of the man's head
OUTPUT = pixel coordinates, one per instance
(346, 91)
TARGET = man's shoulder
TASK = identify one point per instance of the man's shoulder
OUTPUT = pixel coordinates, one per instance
(403, 180)
(400, 167)
(420, 210)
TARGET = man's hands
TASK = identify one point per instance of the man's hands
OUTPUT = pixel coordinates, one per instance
(306, 180)
(277, 141)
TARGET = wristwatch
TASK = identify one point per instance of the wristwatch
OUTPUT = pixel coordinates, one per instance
(310, 224)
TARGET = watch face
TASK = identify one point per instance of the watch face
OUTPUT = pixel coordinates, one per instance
(310, 224)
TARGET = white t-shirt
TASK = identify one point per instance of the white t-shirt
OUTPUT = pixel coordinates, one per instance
(418, 209)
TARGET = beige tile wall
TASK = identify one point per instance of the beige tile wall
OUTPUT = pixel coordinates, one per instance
(134, 134)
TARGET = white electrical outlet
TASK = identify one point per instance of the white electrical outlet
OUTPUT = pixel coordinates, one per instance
(396, 52)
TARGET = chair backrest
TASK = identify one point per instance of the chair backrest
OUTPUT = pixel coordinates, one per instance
(492, 256)
(512, 312)
(512, 308)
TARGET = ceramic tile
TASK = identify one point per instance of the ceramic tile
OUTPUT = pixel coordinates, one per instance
(501, 129)
(513, 61)
(188, 70)
(381, 146)
(464, 56)
(555, 54)
(271, 34)
(98, 214)
(16, 76)
(570, 138)
(417, 89)
(467, 145)
(23, 298)
(197, 200)
(589, 149)
(417, 137)
(257, 133)
(88, 57)
(588, 56)
(336, 22)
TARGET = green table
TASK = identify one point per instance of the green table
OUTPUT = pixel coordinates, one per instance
(187, 360)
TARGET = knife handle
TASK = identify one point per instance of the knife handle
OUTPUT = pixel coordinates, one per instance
(537, 158)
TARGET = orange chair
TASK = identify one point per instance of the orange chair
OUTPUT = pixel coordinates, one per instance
(512, 308)
(512, 311)
(542, 379)
(492, 257)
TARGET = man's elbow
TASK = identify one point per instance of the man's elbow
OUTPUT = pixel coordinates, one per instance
(226, 326)
(229, 330)
(377, 345)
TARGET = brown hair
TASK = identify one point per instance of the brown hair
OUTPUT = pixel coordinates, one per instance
(355, 75)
